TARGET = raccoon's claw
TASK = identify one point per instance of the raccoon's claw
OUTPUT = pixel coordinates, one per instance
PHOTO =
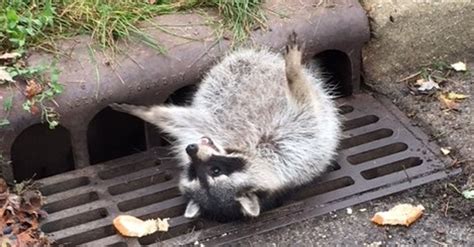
(293, 43)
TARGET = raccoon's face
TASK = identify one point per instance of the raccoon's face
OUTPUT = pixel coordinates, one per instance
(216, 183)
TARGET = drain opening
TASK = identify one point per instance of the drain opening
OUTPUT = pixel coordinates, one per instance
(336, 66)
(139, 183)
(391, 168)
(65, 185)
(148, 199)
(113, 134)
(183, 96)
(377, 153)
(40, 152)
(74, 220)
(88, 236)
(127, 169)
(365, 138)
(71, 202)
(359, 122)
(315, 188)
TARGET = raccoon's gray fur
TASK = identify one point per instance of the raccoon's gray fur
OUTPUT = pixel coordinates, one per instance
(259, 124)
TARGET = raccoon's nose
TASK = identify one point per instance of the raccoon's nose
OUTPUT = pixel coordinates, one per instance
(192, 149)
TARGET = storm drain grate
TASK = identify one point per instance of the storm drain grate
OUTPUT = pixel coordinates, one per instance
(380, 154)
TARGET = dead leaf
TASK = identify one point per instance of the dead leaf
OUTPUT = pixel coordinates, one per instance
(426, 85)
(32, 89)
(459, 66)
(445, 151)
(11, 55)
(447, 103)
(3, 185)
(5, 76)
(456, 96)
(151, 1)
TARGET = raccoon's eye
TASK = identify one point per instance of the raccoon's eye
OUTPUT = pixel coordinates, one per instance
(231, 150)
(215, 171)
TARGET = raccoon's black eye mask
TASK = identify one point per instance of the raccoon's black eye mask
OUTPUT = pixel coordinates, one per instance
(217, 165)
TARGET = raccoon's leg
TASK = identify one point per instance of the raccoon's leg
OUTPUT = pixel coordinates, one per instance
(172, 119)
(297, 82)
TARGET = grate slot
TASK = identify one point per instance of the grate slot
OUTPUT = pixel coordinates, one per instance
(173, 232)
(65, 185)
(391, 168)
(71, 202)
(334, 166)
(166, 213)
(365, 138)
(139, 183)
(88, 236)
(359, 122)
(316, 188)
(377, 153)
(148, 199)
(127, 169)
(74, 220)
(119, 244)
(344, 109)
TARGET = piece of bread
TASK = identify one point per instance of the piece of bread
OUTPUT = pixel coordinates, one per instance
(131, 226)
(401, 214)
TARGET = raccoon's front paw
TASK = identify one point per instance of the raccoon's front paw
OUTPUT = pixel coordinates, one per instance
(127, 108)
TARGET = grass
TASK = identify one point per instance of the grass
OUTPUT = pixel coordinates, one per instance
(40, 23)
(24, 23)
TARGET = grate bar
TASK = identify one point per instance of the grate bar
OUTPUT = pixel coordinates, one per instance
(381, 154)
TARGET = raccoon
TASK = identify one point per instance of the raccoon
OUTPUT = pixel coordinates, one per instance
(259, 124)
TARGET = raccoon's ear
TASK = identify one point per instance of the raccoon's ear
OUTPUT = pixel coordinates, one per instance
(192, 210)
(250, 205)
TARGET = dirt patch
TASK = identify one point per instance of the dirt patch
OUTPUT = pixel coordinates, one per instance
(20, 213)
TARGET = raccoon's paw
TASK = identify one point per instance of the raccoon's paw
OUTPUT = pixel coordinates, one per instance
(127, 108)
(293, 57)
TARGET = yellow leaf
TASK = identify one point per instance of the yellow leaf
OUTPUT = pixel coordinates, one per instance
(448, 103)
(457, 96)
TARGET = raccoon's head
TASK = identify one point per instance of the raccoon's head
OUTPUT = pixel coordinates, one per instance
(216, 183)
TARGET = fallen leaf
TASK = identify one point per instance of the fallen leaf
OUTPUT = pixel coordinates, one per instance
(468, 194)
(448, 103)
(32, 89)
(426, 85)
(459, 66)
(456, 96)
(445, 151)
(11, 55)
(5, 76)
(401, 214)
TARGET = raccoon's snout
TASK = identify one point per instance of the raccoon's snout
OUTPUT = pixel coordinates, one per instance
(192, 149)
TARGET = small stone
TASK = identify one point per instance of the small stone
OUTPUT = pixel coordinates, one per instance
(349, 210)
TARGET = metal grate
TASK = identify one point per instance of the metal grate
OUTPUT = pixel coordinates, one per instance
(380, 154)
